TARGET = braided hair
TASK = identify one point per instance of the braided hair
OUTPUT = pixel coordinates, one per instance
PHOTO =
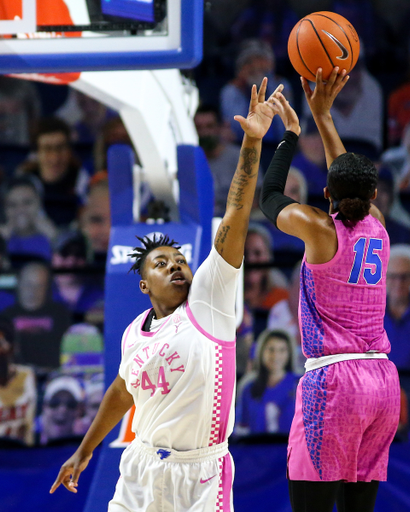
(352, 180)
(140, 253)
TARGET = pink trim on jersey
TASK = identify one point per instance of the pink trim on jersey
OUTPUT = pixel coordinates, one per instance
(125, 337)
(150, 334)
(223, 503)
(202, 331)
(216, 409)
(225, 373)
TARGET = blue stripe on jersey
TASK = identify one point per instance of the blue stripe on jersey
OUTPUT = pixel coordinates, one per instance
(314, 397)
(312, 325)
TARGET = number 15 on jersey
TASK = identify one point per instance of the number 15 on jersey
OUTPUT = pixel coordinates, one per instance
(367, 261)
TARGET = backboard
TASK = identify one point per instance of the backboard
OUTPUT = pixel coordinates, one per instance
(50, 36)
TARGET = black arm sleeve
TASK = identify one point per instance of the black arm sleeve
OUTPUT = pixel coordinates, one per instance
(272, 201)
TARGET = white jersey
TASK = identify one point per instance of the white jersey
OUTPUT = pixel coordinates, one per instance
(182, 373)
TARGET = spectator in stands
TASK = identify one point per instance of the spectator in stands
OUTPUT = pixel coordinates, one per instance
(20, 109)
(244, 342)
(85, 115)
(358, 111)
(27, 229)
(82, 350)
(63, 180)
(296, 188)
(386, 198)
(265, 287)
(39, 322)
(18, 395)
(398, 113)
(112, 132)
(222, 156)
(255, 61)
(94, 391)
(310, 159)
(397, 160)
(270, 21)
(77, 290)
(95, 220)
(62, 408)
(397, 318)
(266, 397)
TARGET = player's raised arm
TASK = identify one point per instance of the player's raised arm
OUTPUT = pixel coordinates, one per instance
(230, 237)
(116, 402)
(320, 101)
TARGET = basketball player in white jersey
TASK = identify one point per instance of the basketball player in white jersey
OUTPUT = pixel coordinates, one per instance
(178, 362)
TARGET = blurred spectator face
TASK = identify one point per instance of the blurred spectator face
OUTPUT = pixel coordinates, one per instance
(54, 155)
(95, 219)
(275, 354)
(22, 207)
(256, 280)
(33, 286)
(256, 249)
(311, 146)
(398, 279)
(255, 69)
(295, 188)
(208, 130)
(59, 415)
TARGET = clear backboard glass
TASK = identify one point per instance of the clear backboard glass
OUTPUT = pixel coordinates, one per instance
(43, 36)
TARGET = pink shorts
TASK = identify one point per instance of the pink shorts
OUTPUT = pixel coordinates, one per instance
(346, 418)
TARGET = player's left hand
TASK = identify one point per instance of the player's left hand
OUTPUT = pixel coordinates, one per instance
(260, 114)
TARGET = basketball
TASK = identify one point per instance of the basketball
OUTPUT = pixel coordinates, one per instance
(323, 40)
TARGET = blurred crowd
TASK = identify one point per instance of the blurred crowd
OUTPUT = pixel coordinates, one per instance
(55, 216)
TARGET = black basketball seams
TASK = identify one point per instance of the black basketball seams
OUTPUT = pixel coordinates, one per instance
(321, 42)
(342, 29)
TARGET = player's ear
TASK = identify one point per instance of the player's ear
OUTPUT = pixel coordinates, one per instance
(326, 193)
(144, 286)
(374, 195)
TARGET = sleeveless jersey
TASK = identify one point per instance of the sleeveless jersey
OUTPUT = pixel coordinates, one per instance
(342, 302)
(181, 376)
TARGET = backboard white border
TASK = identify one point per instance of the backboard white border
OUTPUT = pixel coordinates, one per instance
(181, 48)
(26, 24)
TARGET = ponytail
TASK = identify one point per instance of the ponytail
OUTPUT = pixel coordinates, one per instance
(354, 209)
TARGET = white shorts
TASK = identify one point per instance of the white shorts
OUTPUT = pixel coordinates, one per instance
(162, 480)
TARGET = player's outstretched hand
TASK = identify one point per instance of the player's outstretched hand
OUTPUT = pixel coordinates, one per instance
(281, 106)
(70, 472)
(321, 99)
(260, 114)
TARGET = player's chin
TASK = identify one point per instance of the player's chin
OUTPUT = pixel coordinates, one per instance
(181, 289)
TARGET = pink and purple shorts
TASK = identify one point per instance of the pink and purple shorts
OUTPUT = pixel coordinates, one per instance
(346, 418)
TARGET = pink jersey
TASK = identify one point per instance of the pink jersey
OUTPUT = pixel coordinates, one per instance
(342, 302)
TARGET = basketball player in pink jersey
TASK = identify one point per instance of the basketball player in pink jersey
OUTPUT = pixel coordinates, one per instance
(347, 406)
(178, 362)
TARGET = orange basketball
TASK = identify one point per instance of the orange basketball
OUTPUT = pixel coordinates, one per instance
(323, 40)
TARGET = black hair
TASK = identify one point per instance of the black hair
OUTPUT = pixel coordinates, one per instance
(23, 181)
(140, 253)
(259, 385)
(207, 108)
(352, 180)
(51, 124)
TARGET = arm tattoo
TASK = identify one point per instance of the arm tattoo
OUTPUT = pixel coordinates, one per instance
(221, 237)
(248, 159)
